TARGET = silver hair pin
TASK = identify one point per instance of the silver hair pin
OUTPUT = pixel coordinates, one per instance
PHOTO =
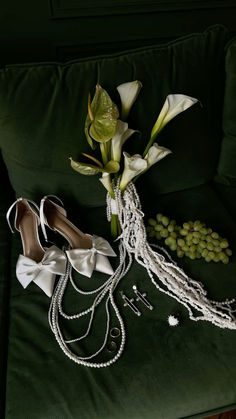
(142, 298)
(129, 303)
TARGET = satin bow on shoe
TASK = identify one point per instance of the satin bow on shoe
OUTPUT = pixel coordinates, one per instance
(85, 261)
(44, 272)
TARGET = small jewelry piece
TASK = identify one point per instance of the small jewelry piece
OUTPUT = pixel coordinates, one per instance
(173, 321)
(142, 298)
(111, 346)
(115, 332)
(129, 302)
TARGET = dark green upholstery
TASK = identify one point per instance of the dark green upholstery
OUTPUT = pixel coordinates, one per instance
(167, 373)
(41, 129)
(227, 161)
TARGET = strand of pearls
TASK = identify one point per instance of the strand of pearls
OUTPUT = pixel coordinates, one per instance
(172, 280)
(106, 290)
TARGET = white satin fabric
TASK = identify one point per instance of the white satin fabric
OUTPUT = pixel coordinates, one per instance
(85, 261)
(44, 272)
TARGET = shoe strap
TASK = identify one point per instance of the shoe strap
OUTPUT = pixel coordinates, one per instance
(43, 219)
(11, 208)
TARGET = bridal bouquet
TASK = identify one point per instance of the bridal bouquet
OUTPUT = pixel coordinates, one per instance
(107, 128)
(107, 132)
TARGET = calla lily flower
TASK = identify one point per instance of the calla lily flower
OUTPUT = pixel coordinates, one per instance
(128, 94)
(155, 154)
(106, 181)
(122, 134)
(174, 104)
(134, 165)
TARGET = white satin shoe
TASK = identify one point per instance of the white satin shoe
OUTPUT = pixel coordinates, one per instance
(87, 253)
(36, 264)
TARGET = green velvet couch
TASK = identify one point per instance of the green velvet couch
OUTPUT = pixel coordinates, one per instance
(165, 372)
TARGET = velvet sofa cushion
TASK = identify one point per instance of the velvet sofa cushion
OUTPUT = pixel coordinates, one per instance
(43, 108)
(227, 160)
(164, 372)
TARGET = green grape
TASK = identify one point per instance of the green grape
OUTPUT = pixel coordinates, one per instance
(224, 244)
(152, 222)
(202, 244)
(165, 220)
(168, 241)
(211, 255)
(164, 232)
(216, 258)
(221, 255)
(225, 260)
(193, 239)
(181, 242)
(159, 217)
(210, 246)
(205, 253)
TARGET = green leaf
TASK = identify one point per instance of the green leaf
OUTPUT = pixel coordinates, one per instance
(105, 113)
(84, 168)
(112, 167)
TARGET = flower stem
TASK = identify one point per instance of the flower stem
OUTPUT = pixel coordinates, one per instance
(104, 153)
(114, 226)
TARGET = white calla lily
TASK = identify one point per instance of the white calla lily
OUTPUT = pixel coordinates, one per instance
(106, 181)
(128, 94)
(155, 154)
(134, 165)
(174, 104)
(122, 134)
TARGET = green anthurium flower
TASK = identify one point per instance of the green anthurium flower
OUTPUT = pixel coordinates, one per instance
(128, 94)
(134, 165)
(112, 167)
(106, 181)
(121, 135)
(91, 169)
(155, 154)
(102, 118)
(85, 168)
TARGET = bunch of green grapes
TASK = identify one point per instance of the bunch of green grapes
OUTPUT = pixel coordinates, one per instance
(192, 239)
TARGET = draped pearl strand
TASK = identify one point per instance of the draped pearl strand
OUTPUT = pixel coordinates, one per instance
(172, 280)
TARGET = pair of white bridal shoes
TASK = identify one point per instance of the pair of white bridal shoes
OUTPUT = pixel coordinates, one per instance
(40, 265)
